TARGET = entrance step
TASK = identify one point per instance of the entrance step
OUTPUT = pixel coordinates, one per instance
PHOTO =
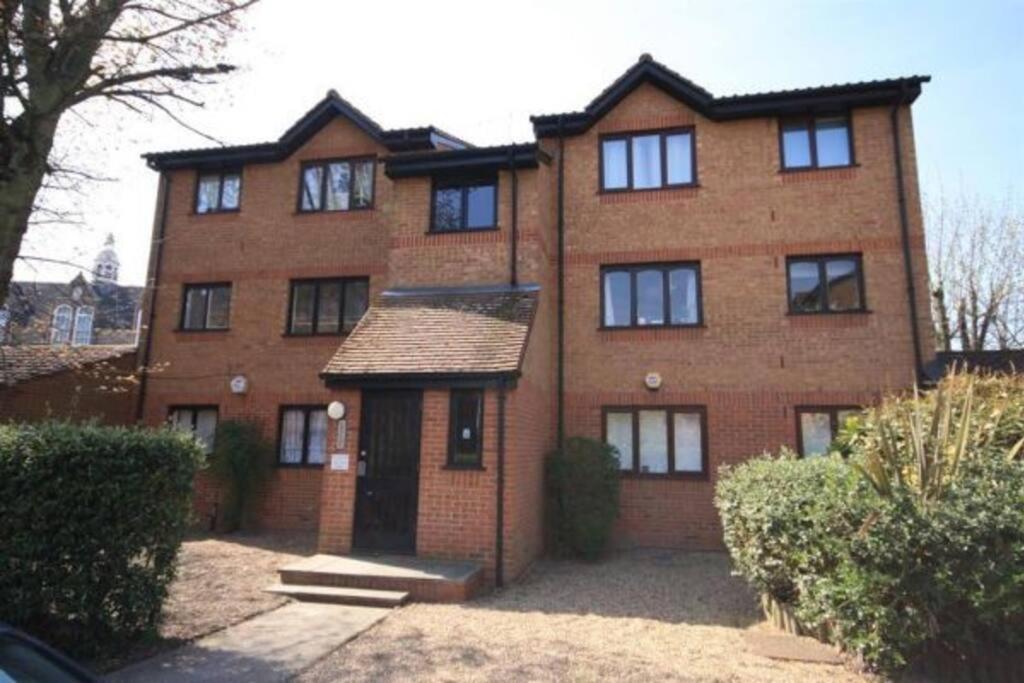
(341, 596)
(425, 580)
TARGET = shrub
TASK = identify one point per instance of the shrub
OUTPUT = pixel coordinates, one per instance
(241, 461)
(582, 497)
(91, 521)
(915, 541)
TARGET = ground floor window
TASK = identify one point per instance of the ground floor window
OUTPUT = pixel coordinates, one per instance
(303, 435)
(198, 420)
(817, 426)
(466, 417)
(658, 440)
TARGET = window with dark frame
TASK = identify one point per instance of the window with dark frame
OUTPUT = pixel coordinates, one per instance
(658, 440)
(652, 294)
(464, 204)
(200, 421)
(465, 437)
(817, 427)
(648, 160)
(825, 284)
(218, 192)
(327, 306)
(815, 142)
(206, 306)
(302, 436)
(337, 185)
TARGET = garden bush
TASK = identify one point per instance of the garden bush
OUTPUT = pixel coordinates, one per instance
(91, 521)
(241, 462)
(913, 541)
(582, 497)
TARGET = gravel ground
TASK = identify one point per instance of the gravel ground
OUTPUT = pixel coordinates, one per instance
(639, 616)
(220, 582)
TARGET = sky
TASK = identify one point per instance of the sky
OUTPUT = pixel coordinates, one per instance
(480, 69)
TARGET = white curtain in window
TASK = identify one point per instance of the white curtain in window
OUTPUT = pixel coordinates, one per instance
(291, 436)
(816, 431)
(338, 179)
(208, 197)
(83, 326)
(653, 441)
(620, 435)
(206, 426)
(362, 185)
(317, 436)
(688, 442)
(181, 420)
(615, 169)
(60, 333)
(646, 161)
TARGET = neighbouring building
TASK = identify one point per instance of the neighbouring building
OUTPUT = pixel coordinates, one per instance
(80, 312)
(692, 278)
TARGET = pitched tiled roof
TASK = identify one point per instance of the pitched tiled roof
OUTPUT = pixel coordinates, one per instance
(450, 331)
(29, 361)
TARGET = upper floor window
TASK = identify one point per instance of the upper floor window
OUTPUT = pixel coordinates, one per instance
(83, 326)
(817, 427)
(825, 284)
(336, 185)
(327, 306)
(658, 440)
(218, 192)
(206, 307)
(465, 423)
(816, 142)
(303, 435)
(200, 421)
(464, 204)
(60, 329)
(648, 161)
(657, 294)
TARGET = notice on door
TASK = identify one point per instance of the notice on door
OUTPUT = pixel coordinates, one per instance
(339, 461)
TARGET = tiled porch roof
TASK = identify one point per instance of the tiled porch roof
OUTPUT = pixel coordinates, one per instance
(439, 332)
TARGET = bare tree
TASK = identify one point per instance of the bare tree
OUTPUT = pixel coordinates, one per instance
(57, 56)
(977, 272)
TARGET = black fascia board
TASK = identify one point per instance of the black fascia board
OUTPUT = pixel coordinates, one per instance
(477, 159)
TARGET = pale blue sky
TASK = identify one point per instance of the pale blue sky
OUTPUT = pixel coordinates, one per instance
(479, 69)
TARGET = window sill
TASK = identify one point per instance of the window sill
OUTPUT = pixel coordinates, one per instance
(466, 231)
(464, 468)
(333, 212)
(650, 328)
(318, 335)
(218, 212)
(828, 314)
(814, 169)
(646, 190)
(204, 330)
(299, 466)
(667, 476)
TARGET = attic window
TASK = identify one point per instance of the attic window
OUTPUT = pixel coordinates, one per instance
(649, 160)
(465, 204)
(336, 185)
(217, 192)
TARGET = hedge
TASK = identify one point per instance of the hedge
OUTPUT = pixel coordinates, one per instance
(908, 539)
(582, 481)
(91, 521)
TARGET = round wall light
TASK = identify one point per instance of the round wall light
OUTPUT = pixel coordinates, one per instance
(336, 410)
(652, 380)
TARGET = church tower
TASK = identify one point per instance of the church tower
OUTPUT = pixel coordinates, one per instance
(105, 267)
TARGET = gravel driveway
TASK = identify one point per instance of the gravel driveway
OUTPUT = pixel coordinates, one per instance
(639, 616)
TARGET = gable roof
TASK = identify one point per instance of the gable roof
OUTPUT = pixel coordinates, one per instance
(448, 332)
(332, 105)
(648, 70)
(31, 361)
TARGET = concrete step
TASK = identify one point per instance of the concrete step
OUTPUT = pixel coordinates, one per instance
(341, 596)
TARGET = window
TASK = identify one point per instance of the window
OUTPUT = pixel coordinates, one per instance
(83, 326)
(5, 320)
(217, 192)
(660, 294)
(465, 420)
(303, 435)
(337, 185)
(200, 421)
(648, 161)
(327, 306)
(822, 142)
(825, 284)
(60, 331)
(207, 307)
(464, 205)
(657, 440)
(817, 427)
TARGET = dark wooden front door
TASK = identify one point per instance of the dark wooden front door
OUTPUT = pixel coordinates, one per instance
(388, 470)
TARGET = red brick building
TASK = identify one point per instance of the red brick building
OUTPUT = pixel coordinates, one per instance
(693, 278)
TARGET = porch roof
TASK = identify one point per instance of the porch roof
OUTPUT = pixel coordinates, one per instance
(442, 332)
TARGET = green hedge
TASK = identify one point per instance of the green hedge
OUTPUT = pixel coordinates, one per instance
(582, 483)
(913, 541)
(91, 521)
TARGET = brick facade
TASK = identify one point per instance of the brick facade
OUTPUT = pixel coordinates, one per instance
(749, 365)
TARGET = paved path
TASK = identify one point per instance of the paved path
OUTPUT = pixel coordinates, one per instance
(271, 647)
